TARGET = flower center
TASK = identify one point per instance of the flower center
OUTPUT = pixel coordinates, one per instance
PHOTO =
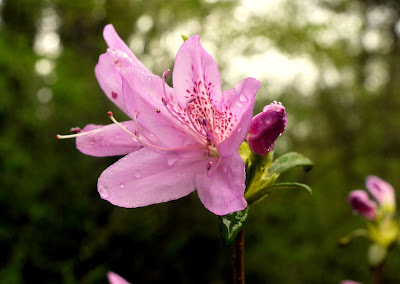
(200, 115)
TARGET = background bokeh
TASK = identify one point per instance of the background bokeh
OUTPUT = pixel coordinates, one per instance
(334, 64)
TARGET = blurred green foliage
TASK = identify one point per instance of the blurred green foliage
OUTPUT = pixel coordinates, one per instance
(54, 227)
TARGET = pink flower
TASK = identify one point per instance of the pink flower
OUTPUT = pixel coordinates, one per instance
(179, 139)
(349, 282)
(114, 278)
(361, 203)
(266, 128)
(381, 190)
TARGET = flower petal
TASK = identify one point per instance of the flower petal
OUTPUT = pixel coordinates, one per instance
(196, 73)
(143, 92)
(115, 42)
(107, 70)
(381, 190)
(108, 140)
(239, 101)
(222, 192)
(361, 203)
(114, 278)
(145, 177)
(107, 74)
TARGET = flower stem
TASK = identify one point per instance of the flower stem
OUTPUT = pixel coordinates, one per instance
(378, 274)
(238, 265)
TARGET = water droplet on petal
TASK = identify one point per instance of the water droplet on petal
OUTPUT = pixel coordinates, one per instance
(122, 185)
(243, 98)
(137, 173)
(217, 129)
(238, 104)
(104, 192)
(149, 78)
(239, 130)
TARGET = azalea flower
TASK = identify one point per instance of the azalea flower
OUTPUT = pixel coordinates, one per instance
(349, 282)
(382, 191)
(178, 139)
(114, 278)
(266, 127)
(361, 203)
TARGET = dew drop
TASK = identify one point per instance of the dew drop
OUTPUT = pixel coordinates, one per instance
(238, 104)
(149, 78)
(104, 192)
(243, 98)
(239, 130)
(122, 185)
(217, 129)
(137, 173)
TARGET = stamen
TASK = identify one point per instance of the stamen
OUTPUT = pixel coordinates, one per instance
(76, 130)
(58, 136)
(164, 76)
(210, 174)
(199, 147)
(203, 123)
(190, 117)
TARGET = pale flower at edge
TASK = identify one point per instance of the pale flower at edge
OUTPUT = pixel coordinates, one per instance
(114, 278)
(179, 139)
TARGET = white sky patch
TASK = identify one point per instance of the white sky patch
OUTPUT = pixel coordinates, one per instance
(376, 74)
(277, 69)
(144, 23)
(44, 66)
(44, 95)
(47, 41)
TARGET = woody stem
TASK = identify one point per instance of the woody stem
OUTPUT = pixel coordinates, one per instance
(238, 264)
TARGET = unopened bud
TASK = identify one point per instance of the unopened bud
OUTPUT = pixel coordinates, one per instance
(361, 203)
(266, 127)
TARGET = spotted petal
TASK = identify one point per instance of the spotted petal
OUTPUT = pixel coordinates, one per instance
(144, 91)
(222, 192)
(108, 140)
(196, 73)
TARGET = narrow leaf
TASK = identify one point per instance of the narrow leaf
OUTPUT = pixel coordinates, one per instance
(231, 224)
(288, 161)
(266, 190)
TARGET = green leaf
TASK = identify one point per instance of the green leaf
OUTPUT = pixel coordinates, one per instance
(259, 195)
(288, 161)
(184, 37)
(231, 224)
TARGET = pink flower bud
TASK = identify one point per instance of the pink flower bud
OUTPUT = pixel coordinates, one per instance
(266, 127)
(381, 190)
(361, 203)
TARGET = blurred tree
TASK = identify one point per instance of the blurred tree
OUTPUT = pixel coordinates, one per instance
(333, 64)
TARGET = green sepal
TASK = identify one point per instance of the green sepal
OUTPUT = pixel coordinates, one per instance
(288, 161)
(230, 225)
(260, 194)
(185, 38)
(244, 152)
